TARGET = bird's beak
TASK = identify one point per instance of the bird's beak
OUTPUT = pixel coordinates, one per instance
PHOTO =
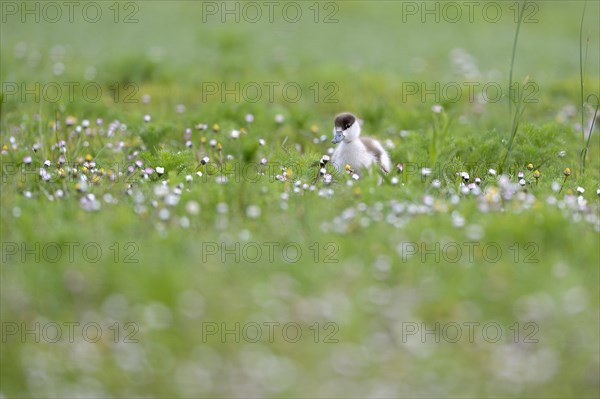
(338, 136)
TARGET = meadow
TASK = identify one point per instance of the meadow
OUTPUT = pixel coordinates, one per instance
(167, 229)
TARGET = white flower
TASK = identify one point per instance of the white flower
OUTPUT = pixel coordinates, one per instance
(192, 207)
(253, 211)
(89, 203)
(160, 190)
(172, 200)
(163, 214)
(184, 222)
(44, 174)
(160, 170)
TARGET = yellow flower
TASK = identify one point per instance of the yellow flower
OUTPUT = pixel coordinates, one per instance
(216, 127)
(88, 157)
(530, 166)
(536, 174)
(567, 172)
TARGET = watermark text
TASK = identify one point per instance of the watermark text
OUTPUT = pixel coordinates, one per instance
(269, 331)
(54, 332)
(68, 251)
(52, 12)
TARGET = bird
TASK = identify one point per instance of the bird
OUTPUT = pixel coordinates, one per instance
(358, 152)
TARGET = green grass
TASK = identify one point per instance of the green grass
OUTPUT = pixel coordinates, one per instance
(375, 258)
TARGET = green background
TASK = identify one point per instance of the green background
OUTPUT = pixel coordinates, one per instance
(363, 61)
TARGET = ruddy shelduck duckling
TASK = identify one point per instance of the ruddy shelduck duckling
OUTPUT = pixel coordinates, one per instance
(358, 152)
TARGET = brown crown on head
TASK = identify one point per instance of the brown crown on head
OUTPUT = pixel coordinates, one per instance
(344, 120)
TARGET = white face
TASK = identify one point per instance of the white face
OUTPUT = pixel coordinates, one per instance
(353, 132)
(347, 135)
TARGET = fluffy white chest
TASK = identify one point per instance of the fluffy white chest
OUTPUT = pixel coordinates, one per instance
(354, 154)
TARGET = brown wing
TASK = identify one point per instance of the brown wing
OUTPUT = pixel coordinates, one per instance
(372, 148)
